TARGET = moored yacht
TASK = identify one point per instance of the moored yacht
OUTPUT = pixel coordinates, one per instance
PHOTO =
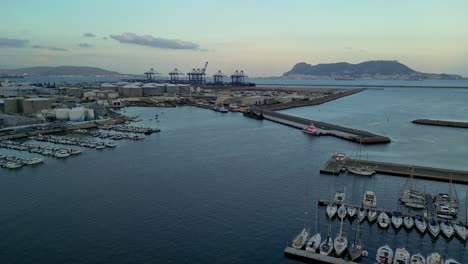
(401, 256)
(384, 255)
(421, 224)
(434, 258)
(351, 211)
(372, 215)
(408, 222)
(434, 228)
(369, 199)
(383, 220)
(326, 247)
(301, 239)
(461, 230)
(314, 243)
(331, 210)
(340, 244)
(362, 213)
(447, 229)
(397, 220)
(418, 259)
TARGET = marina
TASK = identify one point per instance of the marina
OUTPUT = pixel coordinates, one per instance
(73, 142)
(13, 162)
(334, 166)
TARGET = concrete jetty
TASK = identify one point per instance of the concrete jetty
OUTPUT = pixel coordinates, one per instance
(314, 257)
(362, 85)
(332, 166)
(351, 134)
(441, 123)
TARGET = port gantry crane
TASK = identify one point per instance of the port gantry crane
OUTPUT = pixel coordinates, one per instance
(197, 76)
(150, 75)
(238, 78)
(175, 75)
(218, 78)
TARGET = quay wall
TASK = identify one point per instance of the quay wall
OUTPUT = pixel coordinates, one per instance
(441, 123)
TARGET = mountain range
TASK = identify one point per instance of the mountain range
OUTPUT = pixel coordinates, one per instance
(380, 69)
(60, 70)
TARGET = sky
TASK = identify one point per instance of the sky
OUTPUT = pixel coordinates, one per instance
(262, 37)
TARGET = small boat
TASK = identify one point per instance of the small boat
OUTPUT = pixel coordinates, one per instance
(100, 146)
(460, 229)
(33, 161)
(12, 165)
(383, 220)
(402, 256)
(447, 229)
(408, 222)
(361, 170)
(434, 228)
(421, 224)
(372, 215)
(339, 197)
(340, 244)
(451, 261)
(384, 255)
(434, 258)
(110, 144)
(397, 220)
(369, 199)
(61, 154)
(314, 243)
(331, 210)
(301, 239)
(326, 247)
(311, 129)
(223, 110)
(356, 249)
(351, 211)
(342, 212)
(418, 259)
(362, 213)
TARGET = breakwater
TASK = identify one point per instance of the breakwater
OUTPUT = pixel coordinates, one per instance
(332, 166)
(441, 123)
(364, 85)
(315, 101)
(351, 134)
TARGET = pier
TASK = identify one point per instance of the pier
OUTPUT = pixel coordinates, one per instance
(314, 257)
(332, 166)
(441, 123)
(351, 134)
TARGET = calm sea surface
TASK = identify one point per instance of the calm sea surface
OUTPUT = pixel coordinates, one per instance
(222, 188)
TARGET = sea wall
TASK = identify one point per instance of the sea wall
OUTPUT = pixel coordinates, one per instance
(441, 123)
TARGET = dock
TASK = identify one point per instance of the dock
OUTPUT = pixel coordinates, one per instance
(313, 257)
(332, 166)
(351, 134)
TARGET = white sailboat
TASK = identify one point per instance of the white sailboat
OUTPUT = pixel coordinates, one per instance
(434, 258)
(408, 222)
(451, 261)
(351, 211)
(326, 247)
(362, 213)
(342, 212)
(461, 230)
(301, 239)
(331, 210)
(356, 249)
(447, 229)
(384, 255)
(397, 220)
(421, 224)
(372, 215)
(383, 220)
(359, 169)
(402, 256)
(314, 242)
(341, 242)
(418, 259)
(434, 228)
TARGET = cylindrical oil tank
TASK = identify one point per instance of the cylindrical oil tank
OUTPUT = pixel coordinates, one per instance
(62, 114)
(11, 105)
(77, 114)
(89, 114)
(28, 107)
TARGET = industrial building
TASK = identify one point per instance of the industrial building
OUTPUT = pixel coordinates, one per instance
(27, 106)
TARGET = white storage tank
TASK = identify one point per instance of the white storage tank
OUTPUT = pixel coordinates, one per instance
(77, 114)
(89, 114)
(62, 114)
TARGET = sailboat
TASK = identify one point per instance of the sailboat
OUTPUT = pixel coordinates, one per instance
(301, 239)
(326, 247)
(451, 261)
(372, 215)
(384, 220)
(341, 242)
(447, 229)
(331, 210)
(355, 251)
(397, 220)
(402, 256)
(351, 211)
(410, 196)
(362, 213)
(342, 212)
(461, 230)
(384, 255)
(418, 259)
(421, 224)
(434, 258)
(314, 242)
(359, 169)
(408, 222)
(434, 228)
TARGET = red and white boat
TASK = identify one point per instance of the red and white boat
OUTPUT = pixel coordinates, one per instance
(311, 129)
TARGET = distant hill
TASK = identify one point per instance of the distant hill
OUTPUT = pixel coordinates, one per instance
(60, 70)
(365, 70)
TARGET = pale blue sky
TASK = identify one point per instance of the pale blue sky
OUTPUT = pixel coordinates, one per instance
(264, 38)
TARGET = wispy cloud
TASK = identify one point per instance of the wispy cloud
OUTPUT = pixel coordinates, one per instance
(13, 43)
(150, 41)
(85, 45)
(89, 35)
(48, 48)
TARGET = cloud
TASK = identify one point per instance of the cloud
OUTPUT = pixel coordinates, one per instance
(13, 43)
(89, 35)
(48, 48)
(150, 41)
(85, 45)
